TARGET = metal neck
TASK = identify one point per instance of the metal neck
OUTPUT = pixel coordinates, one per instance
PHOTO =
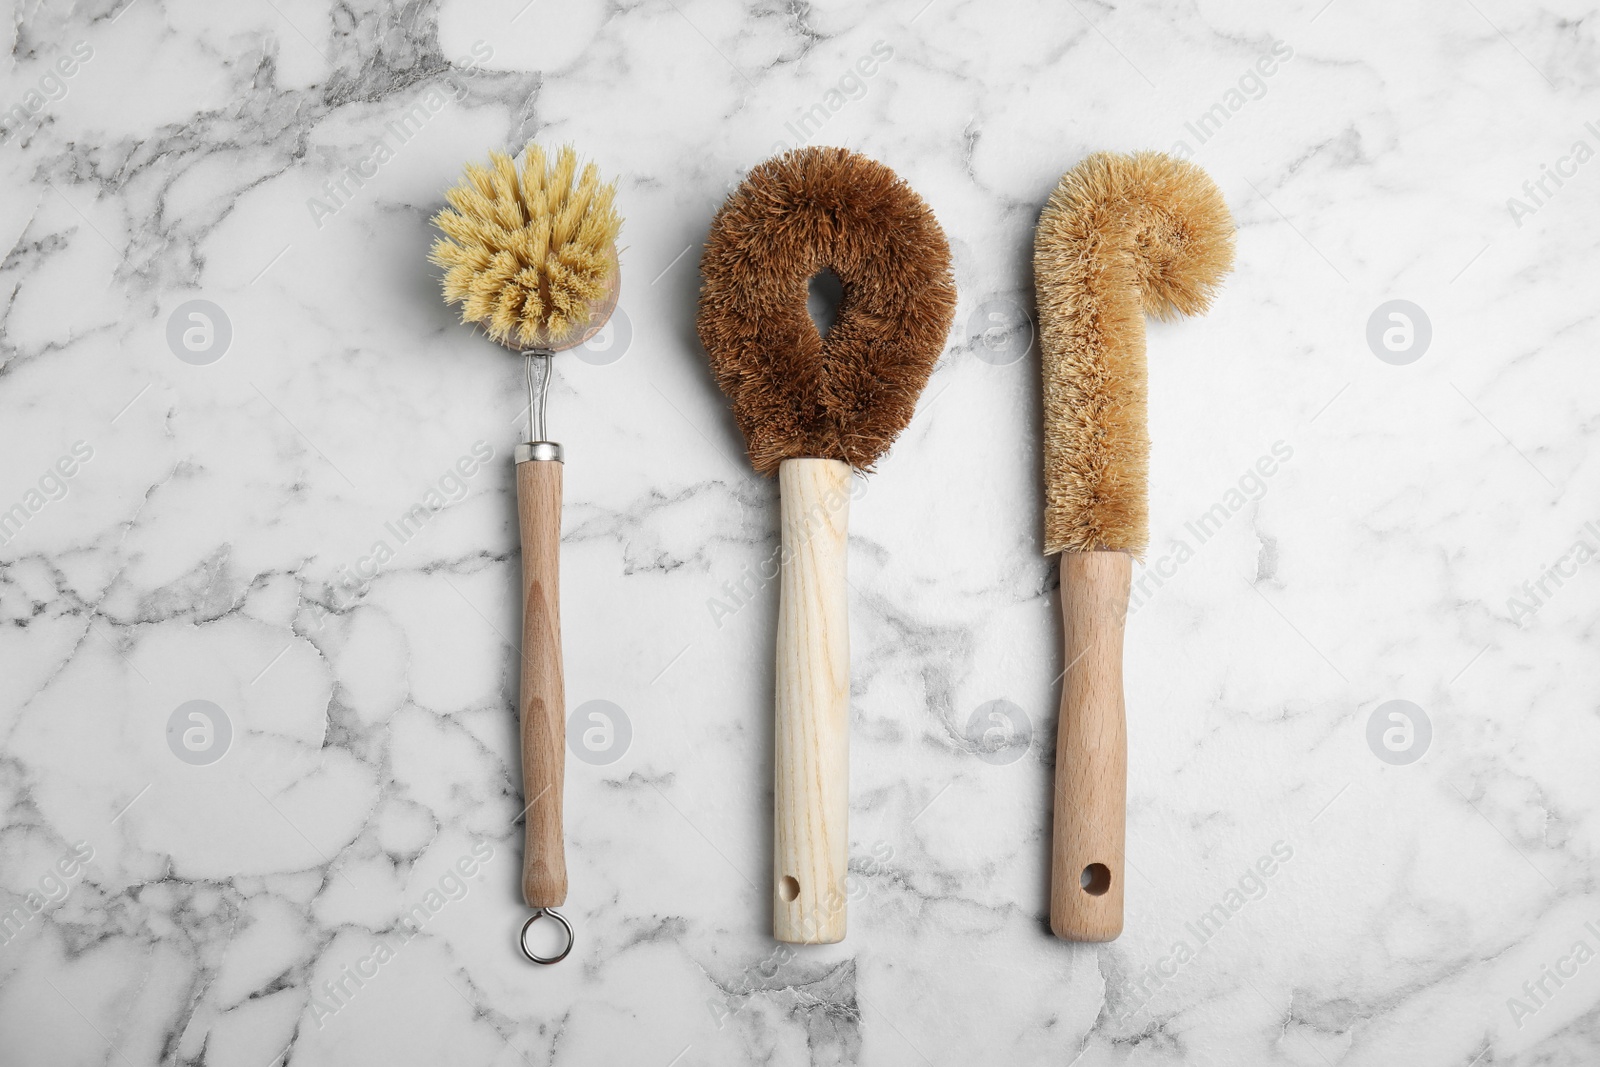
(537, 363)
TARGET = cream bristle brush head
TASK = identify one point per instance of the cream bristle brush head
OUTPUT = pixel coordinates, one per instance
(1122, 237)
(530, 254)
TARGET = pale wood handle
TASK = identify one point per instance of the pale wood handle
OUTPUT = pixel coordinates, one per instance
(1086, 870)
(543, 703)
(811, 757)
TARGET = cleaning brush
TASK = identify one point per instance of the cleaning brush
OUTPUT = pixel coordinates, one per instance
(811, 410)
(531, 257)
(1122, 236)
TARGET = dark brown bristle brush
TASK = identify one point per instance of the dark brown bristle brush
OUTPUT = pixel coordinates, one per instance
(812, 409)
(1122, 237)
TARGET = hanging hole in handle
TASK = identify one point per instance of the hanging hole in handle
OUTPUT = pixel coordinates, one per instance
(1095, 879)
(788, 888)
(824, 293)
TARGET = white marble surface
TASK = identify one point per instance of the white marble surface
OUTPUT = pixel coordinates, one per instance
(197, 553)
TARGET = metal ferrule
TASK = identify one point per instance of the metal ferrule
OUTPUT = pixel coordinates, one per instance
(537, 450)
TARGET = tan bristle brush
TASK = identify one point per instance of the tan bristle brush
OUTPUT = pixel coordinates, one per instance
(1122, 237)
(531, 256)
(812, 409)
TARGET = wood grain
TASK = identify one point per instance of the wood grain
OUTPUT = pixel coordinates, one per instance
(811, 758)
(1091, 751)
(543, 703)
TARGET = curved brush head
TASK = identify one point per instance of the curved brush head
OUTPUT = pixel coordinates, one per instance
(531, 255)
(1122, 236)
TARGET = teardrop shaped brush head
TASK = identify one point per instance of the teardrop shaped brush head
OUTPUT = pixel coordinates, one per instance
(1122, 236)
(796, 393)
(531, 255)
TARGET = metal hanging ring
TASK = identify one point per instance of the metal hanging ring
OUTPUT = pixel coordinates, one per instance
(522, 939)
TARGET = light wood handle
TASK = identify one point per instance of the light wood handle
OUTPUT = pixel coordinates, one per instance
(811, 757)
(543, 704)
(1086, 870)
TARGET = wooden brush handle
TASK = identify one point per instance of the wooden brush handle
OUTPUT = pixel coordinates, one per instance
(1086, 870)
(811, 757)
(543, 701)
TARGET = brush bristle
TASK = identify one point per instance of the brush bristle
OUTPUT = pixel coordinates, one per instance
(795, 393)
(1122, 236)
(529, 255)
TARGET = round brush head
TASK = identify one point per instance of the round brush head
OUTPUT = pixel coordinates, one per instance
(531, 254)
(795, 393)
(1122, 236)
